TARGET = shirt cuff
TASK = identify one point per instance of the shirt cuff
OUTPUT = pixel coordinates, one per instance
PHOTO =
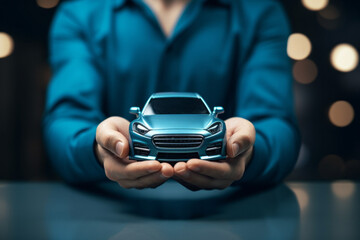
(85, 152)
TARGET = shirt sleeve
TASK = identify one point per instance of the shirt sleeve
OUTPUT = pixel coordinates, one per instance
(74, 100)
(265, 97)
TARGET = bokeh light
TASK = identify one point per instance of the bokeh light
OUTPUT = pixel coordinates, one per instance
(341, 113)
(331, 166)
(344, 57)
(343, 188)
(329, 17)
(6, 45)
(330, 13)
(298, 46)
(315, 5)
(305, 71)
(47, 3)
(302, 197)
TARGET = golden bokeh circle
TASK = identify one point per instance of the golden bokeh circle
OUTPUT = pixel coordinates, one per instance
(330, 13)
(341, 113)
(344, 57)
(343, 188)
(305, 71)
(47, 3)
(298, 46)
(6, 45)
(315, 5)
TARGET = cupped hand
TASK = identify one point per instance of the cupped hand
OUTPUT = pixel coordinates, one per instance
(197, 174)
(112, 150)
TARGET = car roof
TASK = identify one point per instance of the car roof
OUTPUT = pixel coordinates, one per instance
(175, 95)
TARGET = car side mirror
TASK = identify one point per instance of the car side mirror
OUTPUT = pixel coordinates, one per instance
(217, 111)
(135, 111)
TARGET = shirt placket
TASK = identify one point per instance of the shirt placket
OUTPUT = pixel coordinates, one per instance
(169, 66)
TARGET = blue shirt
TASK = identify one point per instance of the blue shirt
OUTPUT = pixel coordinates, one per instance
(109, 55)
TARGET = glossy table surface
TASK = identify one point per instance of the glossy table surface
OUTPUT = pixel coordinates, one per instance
(311, 210)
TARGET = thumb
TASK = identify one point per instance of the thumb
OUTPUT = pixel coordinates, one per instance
(111, 135)
(241, 138)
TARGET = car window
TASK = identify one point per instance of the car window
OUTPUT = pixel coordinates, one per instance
(177, 105)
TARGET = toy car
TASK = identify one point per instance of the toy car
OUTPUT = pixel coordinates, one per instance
(177, 127)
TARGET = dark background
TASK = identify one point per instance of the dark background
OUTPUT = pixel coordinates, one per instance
(25, 74)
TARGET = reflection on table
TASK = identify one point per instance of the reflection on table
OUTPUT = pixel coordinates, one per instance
(288, 211)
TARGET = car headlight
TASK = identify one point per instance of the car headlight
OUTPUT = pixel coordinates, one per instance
(215, 128)
(139, 128)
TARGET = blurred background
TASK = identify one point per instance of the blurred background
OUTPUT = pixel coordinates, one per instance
(324, 47)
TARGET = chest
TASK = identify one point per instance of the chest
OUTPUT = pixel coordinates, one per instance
(199, 56)
(202, 45)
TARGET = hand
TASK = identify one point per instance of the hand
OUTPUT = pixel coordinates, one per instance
(197, 174)
(112, 150)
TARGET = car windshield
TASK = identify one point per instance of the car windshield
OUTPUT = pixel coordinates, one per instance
(178, 105)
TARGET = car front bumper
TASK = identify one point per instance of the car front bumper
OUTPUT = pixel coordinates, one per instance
(212, 147)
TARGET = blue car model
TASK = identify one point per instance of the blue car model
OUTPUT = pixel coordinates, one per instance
(177, 127)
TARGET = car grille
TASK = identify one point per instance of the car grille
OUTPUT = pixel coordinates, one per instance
(177, 141)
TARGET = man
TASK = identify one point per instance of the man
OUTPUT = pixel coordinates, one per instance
(109, 55)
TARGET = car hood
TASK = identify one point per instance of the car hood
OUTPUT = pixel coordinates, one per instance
(178, 121)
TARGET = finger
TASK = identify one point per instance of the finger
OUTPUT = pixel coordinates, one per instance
(218, 170)
(112, 134)
(106, 154)
(180, 167)
(167, 170)
(238, 143)
(240, 136)
(119, 124)
(150, 181)
(204, 182)
(117, 169)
